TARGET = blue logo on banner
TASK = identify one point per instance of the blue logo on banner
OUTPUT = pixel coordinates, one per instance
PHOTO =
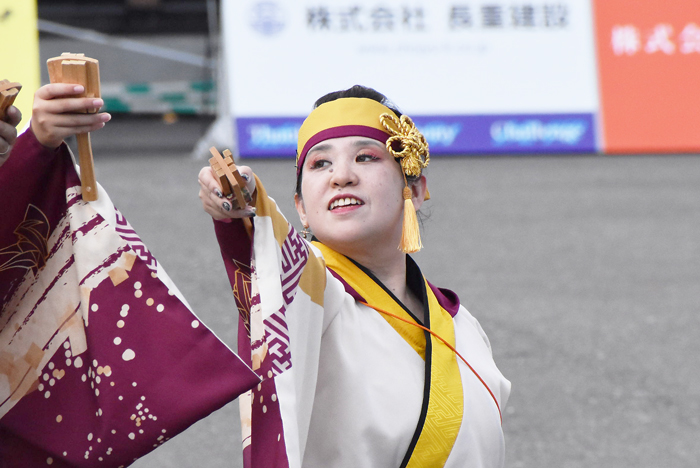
(440, 133)
(532, 132)
(268, 136)
(267, 18)
(446, 134)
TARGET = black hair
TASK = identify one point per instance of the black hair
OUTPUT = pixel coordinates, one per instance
(357, 91)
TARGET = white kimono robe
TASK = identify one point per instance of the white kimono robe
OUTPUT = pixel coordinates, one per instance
(342, 387)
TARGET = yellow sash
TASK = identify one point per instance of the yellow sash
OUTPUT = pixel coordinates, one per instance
(445, 401)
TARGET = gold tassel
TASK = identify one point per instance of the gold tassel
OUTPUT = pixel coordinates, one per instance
(410, 233)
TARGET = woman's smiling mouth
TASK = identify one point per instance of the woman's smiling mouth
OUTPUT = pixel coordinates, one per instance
(345, 201)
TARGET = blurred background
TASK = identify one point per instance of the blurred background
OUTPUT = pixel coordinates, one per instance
(565, 196)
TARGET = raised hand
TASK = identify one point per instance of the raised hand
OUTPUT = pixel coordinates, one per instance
(216, 204)
(57, 114)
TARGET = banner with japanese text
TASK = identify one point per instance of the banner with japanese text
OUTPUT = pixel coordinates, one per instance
(477, 76)
(649, 64)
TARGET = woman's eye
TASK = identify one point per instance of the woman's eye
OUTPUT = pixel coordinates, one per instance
(365, 157)
(319, 163)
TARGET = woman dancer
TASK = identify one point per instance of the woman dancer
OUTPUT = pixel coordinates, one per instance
(365, 362)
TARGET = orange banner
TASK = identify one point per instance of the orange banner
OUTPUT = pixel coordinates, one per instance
(649, 66)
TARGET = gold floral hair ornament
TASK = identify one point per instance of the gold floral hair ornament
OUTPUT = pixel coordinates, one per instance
(413, 156)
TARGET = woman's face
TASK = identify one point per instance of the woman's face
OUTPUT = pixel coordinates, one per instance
(351, 194)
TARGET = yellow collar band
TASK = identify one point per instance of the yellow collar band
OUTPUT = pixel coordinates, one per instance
(340, 118)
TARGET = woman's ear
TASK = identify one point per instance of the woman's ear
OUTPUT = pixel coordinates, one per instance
(301, 210)
(419, 188)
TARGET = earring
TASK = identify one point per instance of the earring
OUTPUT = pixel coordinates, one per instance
(306, 231)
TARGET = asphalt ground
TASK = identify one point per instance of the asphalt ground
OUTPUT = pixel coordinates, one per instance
(583, 270)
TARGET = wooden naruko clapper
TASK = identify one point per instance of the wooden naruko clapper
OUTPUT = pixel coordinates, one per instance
(8, 93)
(230, 181)
(81, 70)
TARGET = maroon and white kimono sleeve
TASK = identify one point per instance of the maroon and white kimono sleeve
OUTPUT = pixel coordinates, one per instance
(101, 359)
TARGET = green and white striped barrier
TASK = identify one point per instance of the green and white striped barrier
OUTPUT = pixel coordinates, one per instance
(162, 97)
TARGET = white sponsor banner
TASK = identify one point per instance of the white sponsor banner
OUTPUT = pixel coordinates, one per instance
(432, 57)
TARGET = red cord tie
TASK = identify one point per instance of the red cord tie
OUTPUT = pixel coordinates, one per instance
(446, 344)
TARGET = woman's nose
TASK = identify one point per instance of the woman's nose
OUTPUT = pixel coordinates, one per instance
(343, 175)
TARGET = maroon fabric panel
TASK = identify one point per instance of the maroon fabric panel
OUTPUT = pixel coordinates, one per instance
(268, 449)
(180, 374)
(236, 250)
(447, 299)
(234, 241)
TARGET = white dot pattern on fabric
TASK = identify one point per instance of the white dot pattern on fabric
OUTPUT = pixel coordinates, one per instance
(128, 355)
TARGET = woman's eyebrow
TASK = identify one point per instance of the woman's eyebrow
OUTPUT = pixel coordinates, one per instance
(368, 142)
(321, 147)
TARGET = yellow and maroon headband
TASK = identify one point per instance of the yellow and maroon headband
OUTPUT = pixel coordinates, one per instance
(340, 118)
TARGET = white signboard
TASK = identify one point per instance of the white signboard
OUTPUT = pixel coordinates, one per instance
(478, 76)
